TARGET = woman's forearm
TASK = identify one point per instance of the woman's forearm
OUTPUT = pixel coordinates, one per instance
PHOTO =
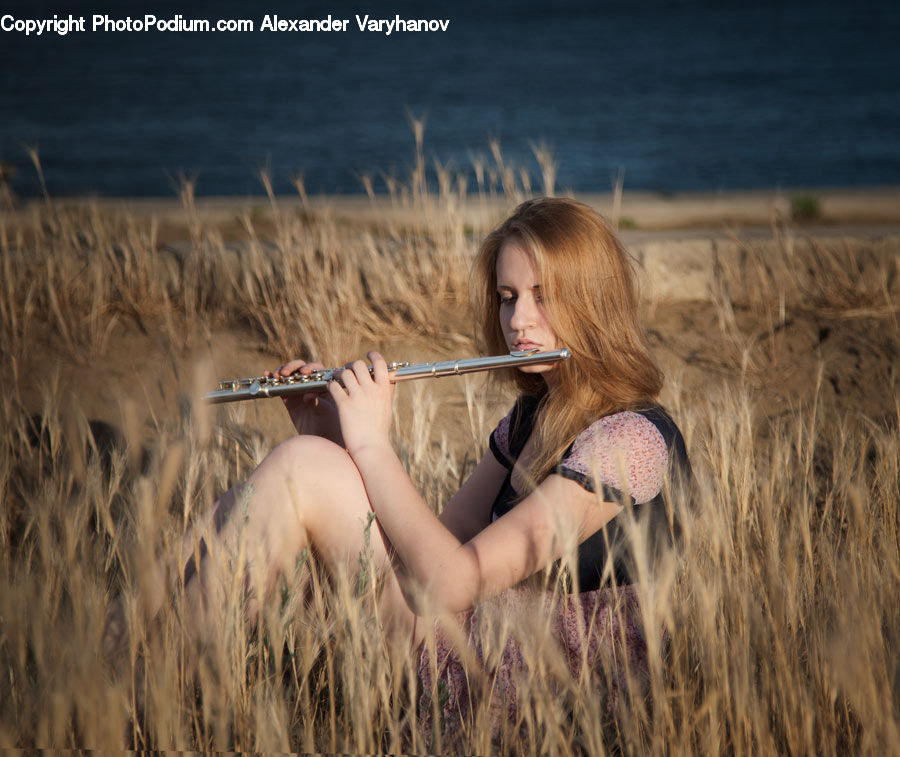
(433, 560)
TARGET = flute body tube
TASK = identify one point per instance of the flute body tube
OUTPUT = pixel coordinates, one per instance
(261, 387)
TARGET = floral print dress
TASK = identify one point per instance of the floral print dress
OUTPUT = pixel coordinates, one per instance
(597, 632)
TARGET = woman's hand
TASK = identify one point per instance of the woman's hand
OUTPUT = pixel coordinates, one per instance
(313, 411)
(364, 404)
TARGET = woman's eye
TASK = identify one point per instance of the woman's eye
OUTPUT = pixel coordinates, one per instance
(506, 300)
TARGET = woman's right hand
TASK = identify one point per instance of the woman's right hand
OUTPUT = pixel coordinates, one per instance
(313, 411)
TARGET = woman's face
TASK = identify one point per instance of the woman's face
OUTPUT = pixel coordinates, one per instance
(522, 317)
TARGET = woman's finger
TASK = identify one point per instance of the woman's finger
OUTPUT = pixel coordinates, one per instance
(356, 376)
(301, 366)
(337, 391)
(379, 366)
(289, 367)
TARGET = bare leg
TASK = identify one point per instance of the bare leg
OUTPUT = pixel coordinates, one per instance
(306, 493)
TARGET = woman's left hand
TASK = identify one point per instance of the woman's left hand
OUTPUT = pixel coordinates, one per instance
(364, 404)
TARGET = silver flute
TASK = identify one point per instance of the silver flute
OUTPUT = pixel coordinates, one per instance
(259, 387)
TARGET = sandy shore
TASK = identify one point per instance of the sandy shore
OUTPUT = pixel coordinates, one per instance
(644, 211)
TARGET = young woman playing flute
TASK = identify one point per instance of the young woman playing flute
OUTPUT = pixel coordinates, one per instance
(585, 440)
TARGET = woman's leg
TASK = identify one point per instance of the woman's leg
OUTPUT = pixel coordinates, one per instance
(306, 493)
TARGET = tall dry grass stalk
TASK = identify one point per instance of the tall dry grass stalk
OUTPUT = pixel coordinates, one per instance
(775, 630)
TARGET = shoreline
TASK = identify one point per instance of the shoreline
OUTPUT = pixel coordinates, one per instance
(633, 211)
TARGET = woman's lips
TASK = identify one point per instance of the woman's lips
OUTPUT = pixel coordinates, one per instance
(526, 346)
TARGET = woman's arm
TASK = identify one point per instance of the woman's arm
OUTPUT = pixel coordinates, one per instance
(548, 524)
(453, 575)
(434, 564)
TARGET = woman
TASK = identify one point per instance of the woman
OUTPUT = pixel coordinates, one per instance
(584, 441)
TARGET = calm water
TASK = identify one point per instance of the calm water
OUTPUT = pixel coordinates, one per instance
(681, 95)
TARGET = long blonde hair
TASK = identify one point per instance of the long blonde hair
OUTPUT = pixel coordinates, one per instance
(591, 303)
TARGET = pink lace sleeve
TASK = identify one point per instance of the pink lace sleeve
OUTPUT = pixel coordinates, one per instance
(499, 442)
(624, 451)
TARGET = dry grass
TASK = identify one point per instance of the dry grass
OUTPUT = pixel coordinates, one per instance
(781, 612)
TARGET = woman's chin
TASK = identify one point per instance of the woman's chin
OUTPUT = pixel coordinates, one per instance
(540, 368)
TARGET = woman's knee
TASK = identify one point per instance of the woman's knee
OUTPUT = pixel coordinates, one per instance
(309, 471)
(279, 501)
(305, 454)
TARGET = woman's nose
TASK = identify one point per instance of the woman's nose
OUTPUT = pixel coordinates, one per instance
(523, 314)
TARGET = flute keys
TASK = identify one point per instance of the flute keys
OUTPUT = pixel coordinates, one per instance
(262, 386)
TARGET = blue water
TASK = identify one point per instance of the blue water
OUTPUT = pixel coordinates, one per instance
(686, 95)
